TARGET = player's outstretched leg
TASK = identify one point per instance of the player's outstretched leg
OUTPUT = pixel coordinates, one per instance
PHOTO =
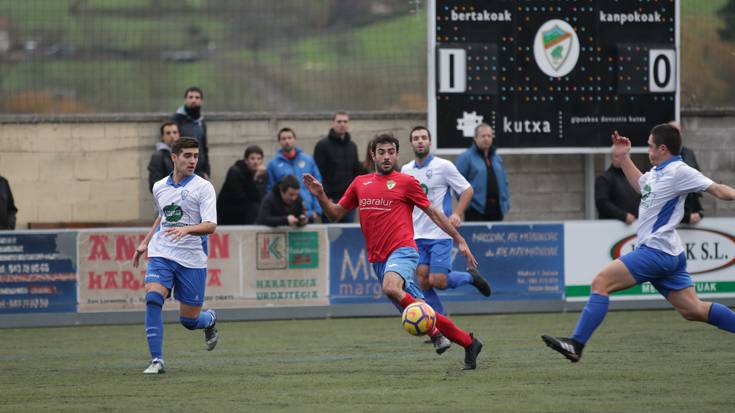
(591, 318)
(471, 344)
(479, 282)
(433, 300)
(569, 348)
(154, 331)
(205, 321)
(721, 317)
(456, 279)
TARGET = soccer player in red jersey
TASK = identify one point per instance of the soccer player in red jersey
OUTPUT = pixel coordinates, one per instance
(386, 200)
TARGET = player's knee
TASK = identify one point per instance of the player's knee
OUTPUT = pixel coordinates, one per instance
(154, 298)
(600, 285)
(392, 291)
(189, 323)
(438, 281)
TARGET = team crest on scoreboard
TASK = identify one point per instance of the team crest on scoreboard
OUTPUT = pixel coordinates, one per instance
(390, 184)
(556, 48)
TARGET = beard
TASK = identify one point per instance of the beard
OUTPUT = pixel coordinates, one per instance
(382, 171)
(194, 112)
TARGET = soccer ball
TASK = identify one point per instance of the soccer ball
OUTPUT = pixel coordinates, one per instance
(418, 318)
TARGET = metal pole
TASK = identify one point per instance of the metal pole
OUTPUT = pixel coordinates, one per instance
(589, 186)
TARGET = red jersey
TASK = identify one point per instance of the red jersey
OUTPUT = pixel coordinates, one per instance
(386, 210)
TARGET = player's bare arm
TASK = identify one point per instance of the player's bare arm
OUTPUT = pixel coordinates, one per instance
(722, 191)
(333, 211)
(464, 200)
(204, 228)
(621, 146)
(143, 246)
(443, 222)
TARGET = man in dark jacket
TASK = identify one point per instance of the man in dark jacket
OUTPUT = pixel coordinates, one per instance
(283, 205)
(161, 165)
(191, 124)
(693, 211)
(336, 157)
(239, 200)
(614, 196)
(8, 210)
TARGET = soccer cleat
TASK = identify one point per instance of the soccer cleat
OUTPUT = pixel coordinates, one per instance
(211, 335)
(568, 348)
(441, 343)
(471, 352)
(156, 367)
(480, 282)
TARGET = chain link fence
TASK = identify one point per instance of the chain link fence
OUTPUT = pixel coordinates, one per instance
(123, 56)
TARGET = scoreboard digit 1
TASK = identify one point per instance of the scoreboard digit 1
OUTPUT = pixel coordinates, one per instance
(551, 76)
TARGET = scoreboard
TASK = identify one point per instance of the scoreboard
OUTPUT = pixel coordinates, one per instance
(551, 75)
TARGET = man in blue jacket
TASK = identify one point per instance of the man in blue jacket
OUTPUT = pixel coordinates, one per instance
(483, 168)
(291, 160)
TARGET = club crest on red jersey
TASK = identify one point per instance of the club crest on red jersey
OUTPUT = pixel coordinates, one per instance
(390, 184)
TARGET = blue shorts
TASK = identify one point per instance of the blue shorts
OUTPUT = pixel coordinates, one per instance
(188, 283)
(666, 272)
(402, 261)
(436, 253)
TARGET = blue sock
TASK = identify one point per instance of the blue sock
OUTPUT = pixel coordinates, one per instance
(154, 323)
(204, 320)
(433, 300)
(458, 278)
(591, 318)
(721, 317)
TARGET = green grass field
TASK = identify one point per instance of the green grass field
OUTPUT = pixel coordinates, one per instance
(638, 361)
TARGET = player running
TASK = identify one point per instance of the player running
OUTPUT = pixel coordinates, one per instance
(436, 176)
(659, 256)
(386, 200)
(178, 251)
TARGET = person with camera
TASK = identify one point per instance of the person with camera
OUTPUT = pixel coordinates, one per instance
(283, 206)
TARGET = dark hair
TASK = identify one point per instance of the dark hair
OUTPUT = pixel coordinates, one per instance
(184, 143)
(278, 135)
(193, 89)
(169, 123)
(482, 125)
(419, 127)
(253, 149)
(368, 164)
(288, 181)
(384, 138)
(341, 112)
(669, 135)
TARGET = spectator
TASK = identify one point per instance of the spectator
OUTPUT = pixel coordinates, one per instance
(239, 200)
(336, 157)
(191, 124)
(368, 165)
(483, 167)
(8, 210)
(615, 198)
(283, 206)
(693, 211)
(291, 160)
(161, 165)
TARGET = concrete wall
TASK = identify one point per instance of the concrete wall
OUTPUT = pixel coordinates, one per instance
(93, 168)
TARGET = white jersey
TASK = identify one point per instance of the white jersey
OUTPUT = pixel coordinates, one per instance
(436, 177)
(663, 190)
(190, 202)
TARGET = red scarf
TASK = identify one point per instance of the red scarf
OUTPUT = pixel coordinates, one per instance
(289, 155)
